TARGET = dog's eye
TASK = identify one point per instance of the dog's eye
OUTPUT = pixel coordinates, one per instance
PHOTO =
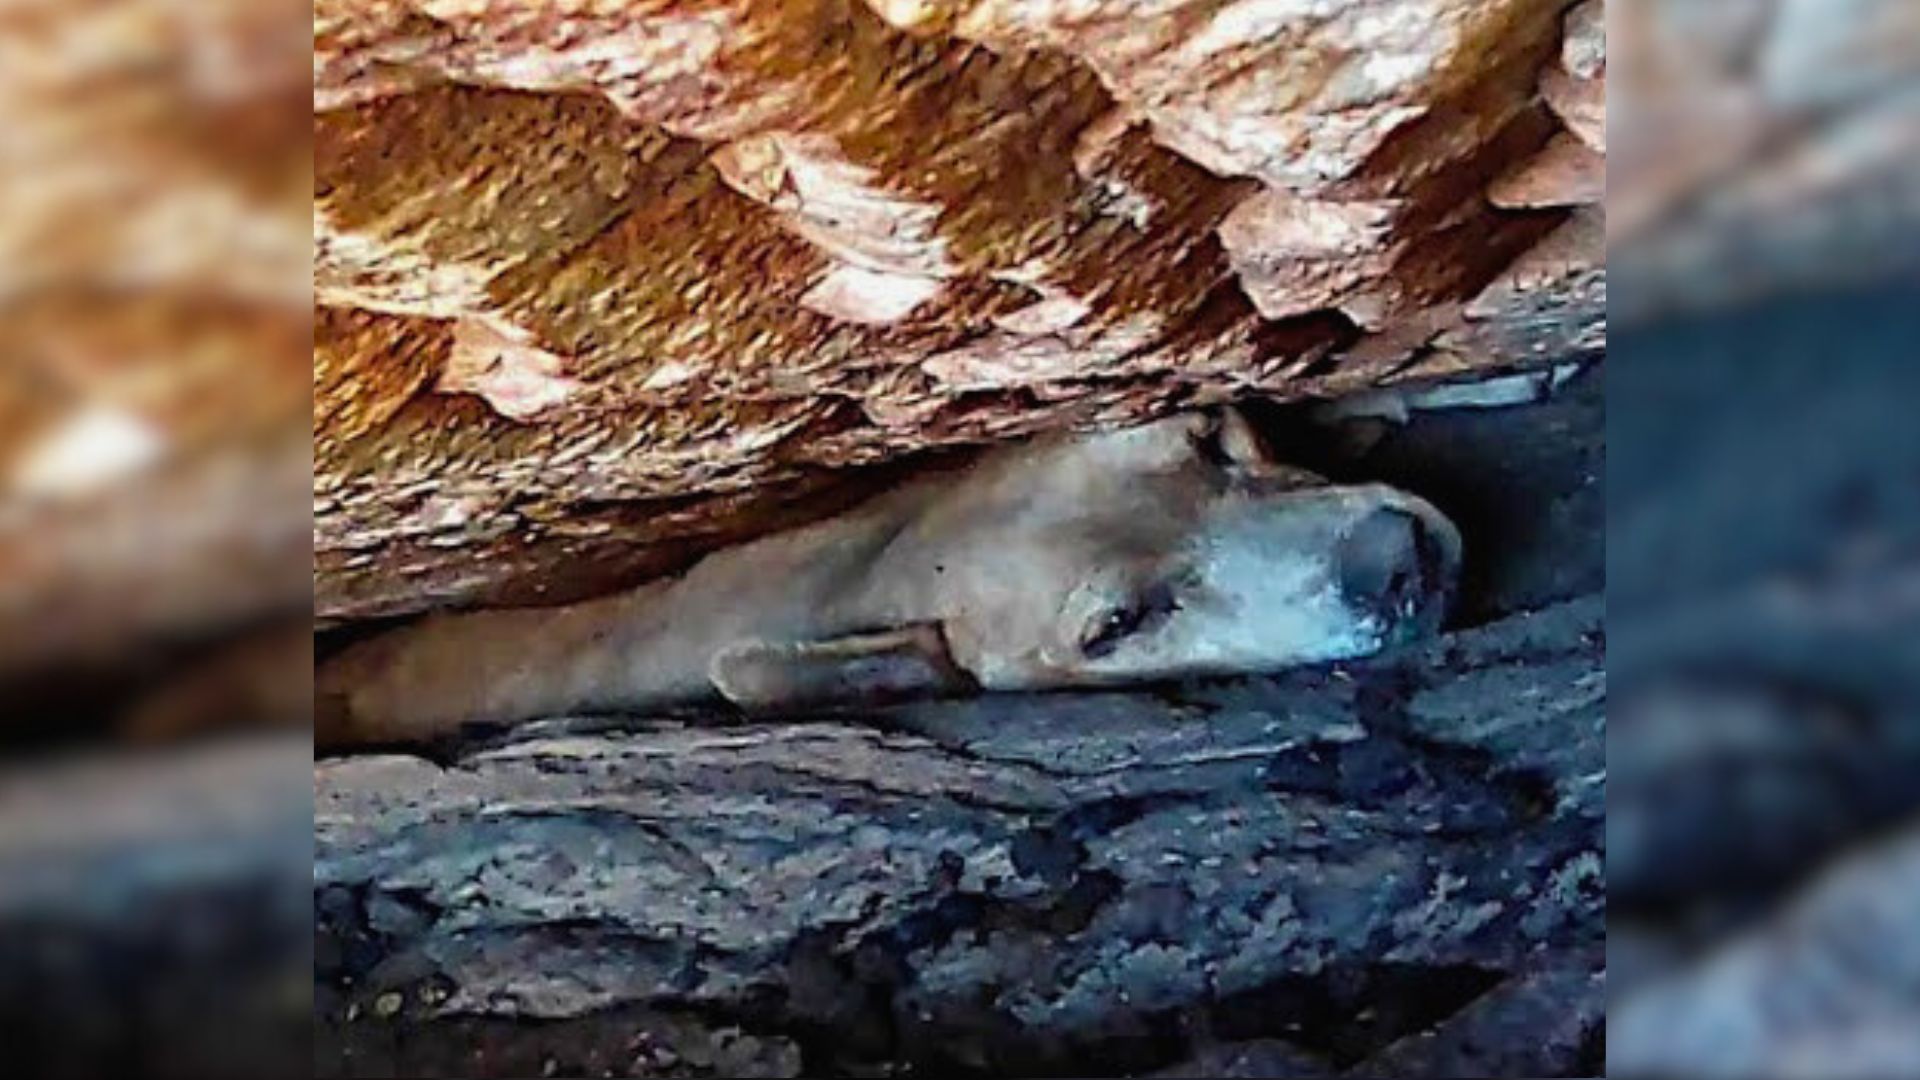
(1148, 610)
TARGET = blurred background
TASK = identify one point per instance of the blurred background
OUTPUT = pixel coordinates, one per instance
(1763, 536)
(155, 328)
(1763, 539)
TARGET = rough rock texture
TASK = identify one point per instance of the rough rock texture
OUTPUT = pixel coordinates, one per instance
(604, 284)
(1390, 870)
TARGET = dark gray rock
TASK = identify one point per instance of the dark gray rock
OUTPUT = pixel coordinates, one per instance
(1095, 884)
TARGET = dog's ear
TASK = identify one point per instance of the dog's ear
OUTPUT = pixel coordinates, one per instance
(1231, 441)
(890, 665)
(1238, 441)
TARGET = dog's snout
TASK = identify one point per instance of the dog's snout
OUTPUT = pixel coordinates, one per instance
(1391, 564)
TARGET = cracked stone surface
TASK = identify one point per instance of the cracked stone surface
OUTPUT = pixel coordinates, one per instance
(1007, 884)
(604, 285)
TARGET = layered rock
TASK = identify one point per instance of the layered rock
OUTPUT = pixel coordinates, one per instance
(603, 284)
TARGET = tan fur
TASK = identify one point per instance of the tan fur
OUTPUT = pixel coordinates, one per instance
(1004, 565)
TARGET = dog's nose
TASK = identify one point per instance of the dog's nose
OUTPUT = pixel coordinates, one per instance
(1391, 564)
